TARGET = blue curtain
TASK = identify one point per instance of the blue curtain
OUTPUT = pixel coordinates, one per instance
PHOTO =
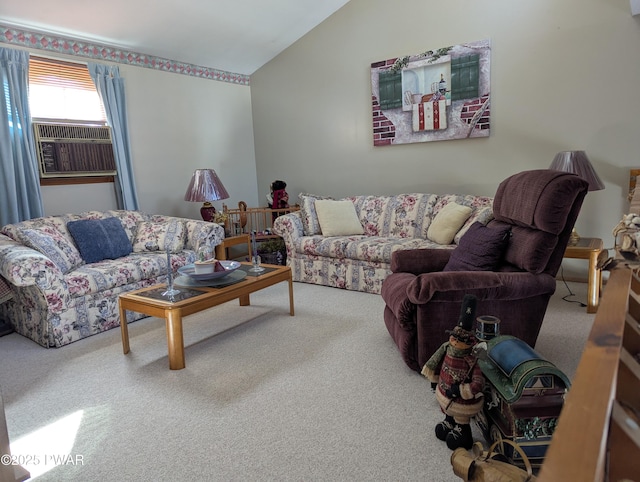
(20, 196)
(110, 87)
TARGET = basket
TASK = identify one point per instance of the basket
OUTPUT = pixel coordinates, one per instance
(277, 257)
(490, 466)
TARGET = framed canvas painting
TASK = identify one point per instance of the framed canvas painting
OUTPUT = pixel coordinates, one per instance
(437, 95)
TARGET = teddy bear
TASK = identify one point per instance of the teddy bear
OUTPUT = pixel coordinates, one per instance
(278, 197)
(457, 380)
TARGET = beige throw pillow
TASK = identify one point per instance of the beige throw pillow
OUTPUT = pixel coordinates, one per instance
(338, 218)
(447, 223)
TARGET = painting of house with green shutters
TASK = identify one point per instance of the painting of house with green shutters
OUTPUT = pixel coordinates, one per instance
(437, 95)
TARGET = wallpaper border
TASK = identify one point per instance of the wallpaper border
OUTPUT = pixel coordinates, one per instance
(69, 46)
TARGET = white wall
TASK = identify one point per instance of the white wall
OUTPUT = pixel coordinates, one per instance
(564, 75)
(180, 123)
(66, 199)
(177, 124)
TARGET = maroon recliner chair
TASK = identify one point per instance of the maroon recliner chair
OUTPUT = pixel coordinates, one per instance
(538, 209)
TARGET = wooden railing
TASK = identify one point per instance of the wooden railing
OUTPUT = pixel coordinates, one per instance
(245, 220)
(598, 433)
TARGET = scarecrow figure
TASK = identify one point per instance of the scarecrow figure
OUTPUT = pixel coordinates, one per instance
(457, 380)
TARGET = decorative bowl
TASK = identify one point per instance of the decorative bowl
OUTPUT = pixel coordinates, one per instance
(189, 270)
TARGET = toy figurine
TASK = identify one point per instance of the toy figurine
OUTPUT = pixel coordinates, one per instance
(278, 198)
(457, 379)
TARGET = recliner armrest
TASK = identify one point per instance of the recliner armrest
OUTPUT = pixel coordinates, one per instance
(485, 285)
(418, 261)
(394, 294)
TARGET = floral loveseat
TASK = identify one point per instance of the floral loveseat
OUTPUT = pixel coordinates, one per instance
(361, 261)
(65, 286)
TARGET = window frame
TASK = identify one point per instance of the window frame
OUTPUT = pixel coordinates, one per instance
(49, 71)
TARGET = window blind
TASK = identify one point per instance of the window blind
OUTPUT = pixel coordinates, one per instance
(63, 90)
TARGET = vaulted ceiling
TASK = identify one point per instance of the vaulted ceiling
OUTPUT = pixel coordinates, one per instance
(237, 36)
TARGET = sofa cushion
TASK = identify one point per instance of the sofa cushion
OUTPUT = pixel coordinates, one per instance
(99, 239)
(480, 249)
(373, 249)
(129, 220)
(448, 222)
(55, 245)
(59, 223)
(128, 270)
(530, 249)
(310, 222)
(337, 218)
(398, 216)
(159, 236)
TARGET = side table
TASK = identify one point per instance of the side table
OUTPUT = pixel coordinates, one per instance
(589, 248)
(221, 249)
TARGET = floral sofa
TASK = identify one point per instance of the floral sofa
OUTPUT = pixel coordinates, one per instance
(361, 260)
(66, 272)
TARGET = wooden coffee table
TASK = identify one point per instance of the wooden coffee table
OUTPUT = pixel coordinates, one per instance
(193, 300)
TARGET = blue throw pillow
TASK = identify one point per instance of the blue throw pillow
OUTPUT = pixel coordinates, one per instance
(99, 239)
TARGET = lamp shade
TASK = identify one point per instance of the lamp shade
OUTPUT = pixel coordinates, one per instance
(205, 186)
(578, 163)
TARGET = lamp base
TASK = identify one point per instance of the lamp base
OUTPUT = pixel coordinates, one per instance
(208, 212)
(574, 238)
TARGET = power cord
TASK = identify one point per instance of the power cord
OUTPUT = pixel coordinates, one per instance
(571, 293)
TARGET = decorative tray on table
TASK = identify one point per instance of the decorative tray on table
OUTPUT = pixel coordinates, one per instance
(190, 279)
(190, 270)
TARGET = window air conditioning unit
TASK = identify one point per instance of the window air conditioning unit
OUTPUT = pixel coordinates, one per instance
(74, 150)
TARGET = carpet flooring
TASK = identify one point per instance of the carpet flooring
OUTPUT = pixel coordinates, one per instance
(321, 396)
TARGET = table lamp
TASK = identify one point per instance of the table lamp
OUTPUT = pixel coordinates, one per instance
(206, 186)
(577, 162)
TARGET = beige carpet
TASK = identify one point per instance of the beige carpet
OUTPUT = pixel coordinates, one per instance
(320, 396)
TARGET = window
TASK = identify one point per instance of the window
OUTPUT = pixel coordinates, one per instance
(72, 138)
(63, 90)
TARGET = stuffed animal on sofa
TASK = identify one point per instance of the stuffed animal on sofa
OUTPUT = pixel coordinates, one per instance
(457, 379)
